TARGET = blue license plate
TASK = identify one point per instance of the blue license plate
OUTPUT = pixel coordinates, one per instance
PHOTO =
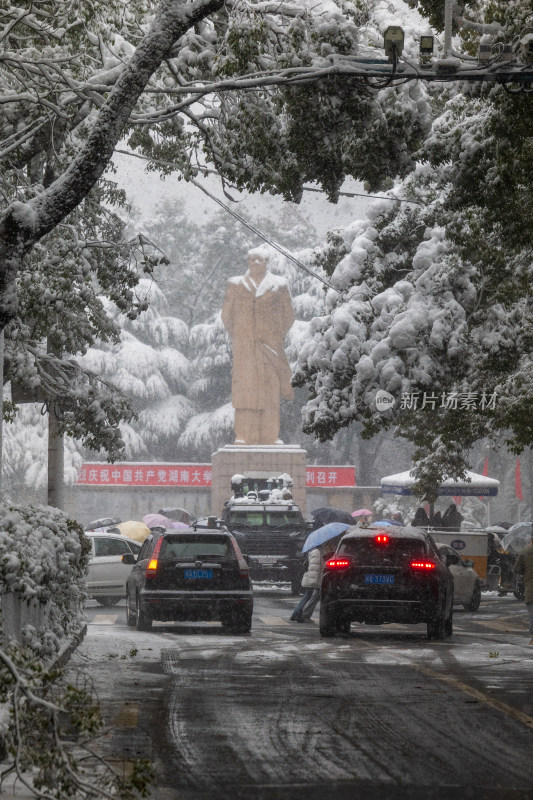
(194, 574)
(379, 579)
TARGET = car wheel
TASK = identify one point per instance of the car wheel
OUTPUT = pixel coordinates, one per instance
(241, 622)
(436, 627)
(142, 622)
(131, 616)
(475, 600)
(328, 621)
(108, 601)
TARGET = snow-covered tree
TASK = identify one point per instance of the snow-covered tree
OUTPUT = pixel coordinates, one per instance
(61, 312)
(434, 302)
(148, 364)
(174, 77)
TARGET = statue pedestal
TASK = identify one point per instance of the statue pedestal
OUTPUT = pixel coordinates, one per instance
(242, 459)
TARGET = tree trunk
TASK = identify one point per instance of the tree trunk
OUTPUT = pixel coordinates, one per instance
(56, 461)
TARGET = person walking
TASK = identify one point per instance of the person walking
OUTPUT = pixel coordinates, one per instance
(311, 583)
(524, 566)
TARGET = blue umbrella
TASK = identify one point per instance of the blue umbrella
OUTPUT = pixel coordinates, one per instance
(388, 522)
(324, 534)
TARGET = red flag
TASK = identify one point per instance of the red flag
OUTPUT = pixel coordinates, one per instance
(518, 481)
(457, 500)
(485, 471)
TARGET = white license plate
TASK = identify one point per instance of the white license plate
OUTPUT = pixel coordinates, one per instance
(267, 559)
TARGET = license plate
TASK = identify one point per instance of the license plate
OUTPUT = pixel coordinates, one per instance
(267, 559)
(194, 574)
(379, 579)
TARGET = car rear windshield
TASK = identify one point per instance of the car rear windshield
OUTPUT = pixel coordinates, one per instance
(195, 546)
(369, 547)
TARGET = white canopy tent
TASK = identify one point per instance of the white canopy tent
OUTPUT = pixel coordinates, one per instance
(474, 486)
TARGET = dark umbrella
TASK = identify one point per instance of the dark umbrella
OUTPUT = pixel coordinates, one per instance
(327, 514)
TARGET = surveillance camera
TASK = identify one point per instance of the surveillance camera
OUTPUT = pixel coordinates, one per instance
(427, 42)
(393, 41)
(506, 53)
(484, 53)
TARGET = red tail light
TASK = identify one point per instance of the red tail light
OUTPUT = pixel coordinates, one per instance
(423, 565)
(151, 569)
(337, 563)
(382, 539)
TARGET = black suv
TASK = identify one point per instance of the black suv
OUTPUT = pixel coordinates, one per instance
(189, 575)
(391, 575)
(271, 534)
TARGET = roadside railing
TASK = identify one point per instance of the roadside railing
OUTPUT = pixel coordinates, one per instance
(17, 613)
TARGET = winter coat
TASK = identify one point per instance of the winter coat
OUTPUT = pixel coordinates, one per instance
(452, 518)
(421, 519)
(524, 566)
(313, 577)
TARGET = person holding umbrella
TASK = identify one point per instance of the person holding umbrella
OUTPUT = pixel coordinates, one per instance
(363, 516)
(311, 582)
(319, 544)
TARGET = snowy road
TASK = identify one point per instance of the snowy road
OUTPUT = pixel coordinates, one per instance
(283, 714)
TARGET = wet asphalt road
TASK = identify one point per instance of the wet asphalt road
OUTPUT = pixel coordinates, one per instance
(280, 713)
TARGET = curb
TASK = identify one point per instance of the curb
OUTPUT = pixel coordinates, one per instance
(63, 657)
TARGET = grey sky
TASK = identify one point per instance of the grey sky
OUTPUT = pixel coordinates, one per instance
(146, 189)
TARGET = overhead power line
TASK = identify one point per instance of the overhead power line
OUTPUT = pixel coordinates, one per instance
(255, 230)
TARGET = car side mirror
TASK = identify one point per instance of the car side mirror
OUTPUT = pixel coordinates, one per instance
(128, 558)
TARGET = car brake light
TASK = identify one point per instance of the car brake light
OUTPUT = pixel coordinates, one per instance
(382, 539)
(151, 569)
(423, 565)
(337, 563)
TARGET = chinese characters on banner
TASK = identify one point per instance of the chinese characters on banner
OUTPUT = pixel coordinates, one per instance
(329, 477)
(193, 475)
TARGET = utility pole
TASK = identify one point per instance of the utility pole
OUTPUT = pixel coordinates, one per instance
(448, 20)
(56, 459)
(56, 450)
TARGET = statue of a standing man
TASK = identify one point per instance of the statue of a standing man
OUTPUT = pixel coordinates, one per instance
(258, 313)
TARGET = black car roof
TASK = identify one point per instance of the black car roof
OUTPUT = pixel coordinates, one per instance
(393, 531)
(196, 531)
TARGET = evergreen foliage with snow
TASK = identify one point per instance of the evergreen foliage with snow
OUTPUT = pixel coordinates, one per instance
(434, 294)
(44, 556)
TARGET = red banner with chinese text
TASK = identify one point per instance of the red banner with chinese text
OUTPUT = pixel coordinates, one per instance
(194, 475)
